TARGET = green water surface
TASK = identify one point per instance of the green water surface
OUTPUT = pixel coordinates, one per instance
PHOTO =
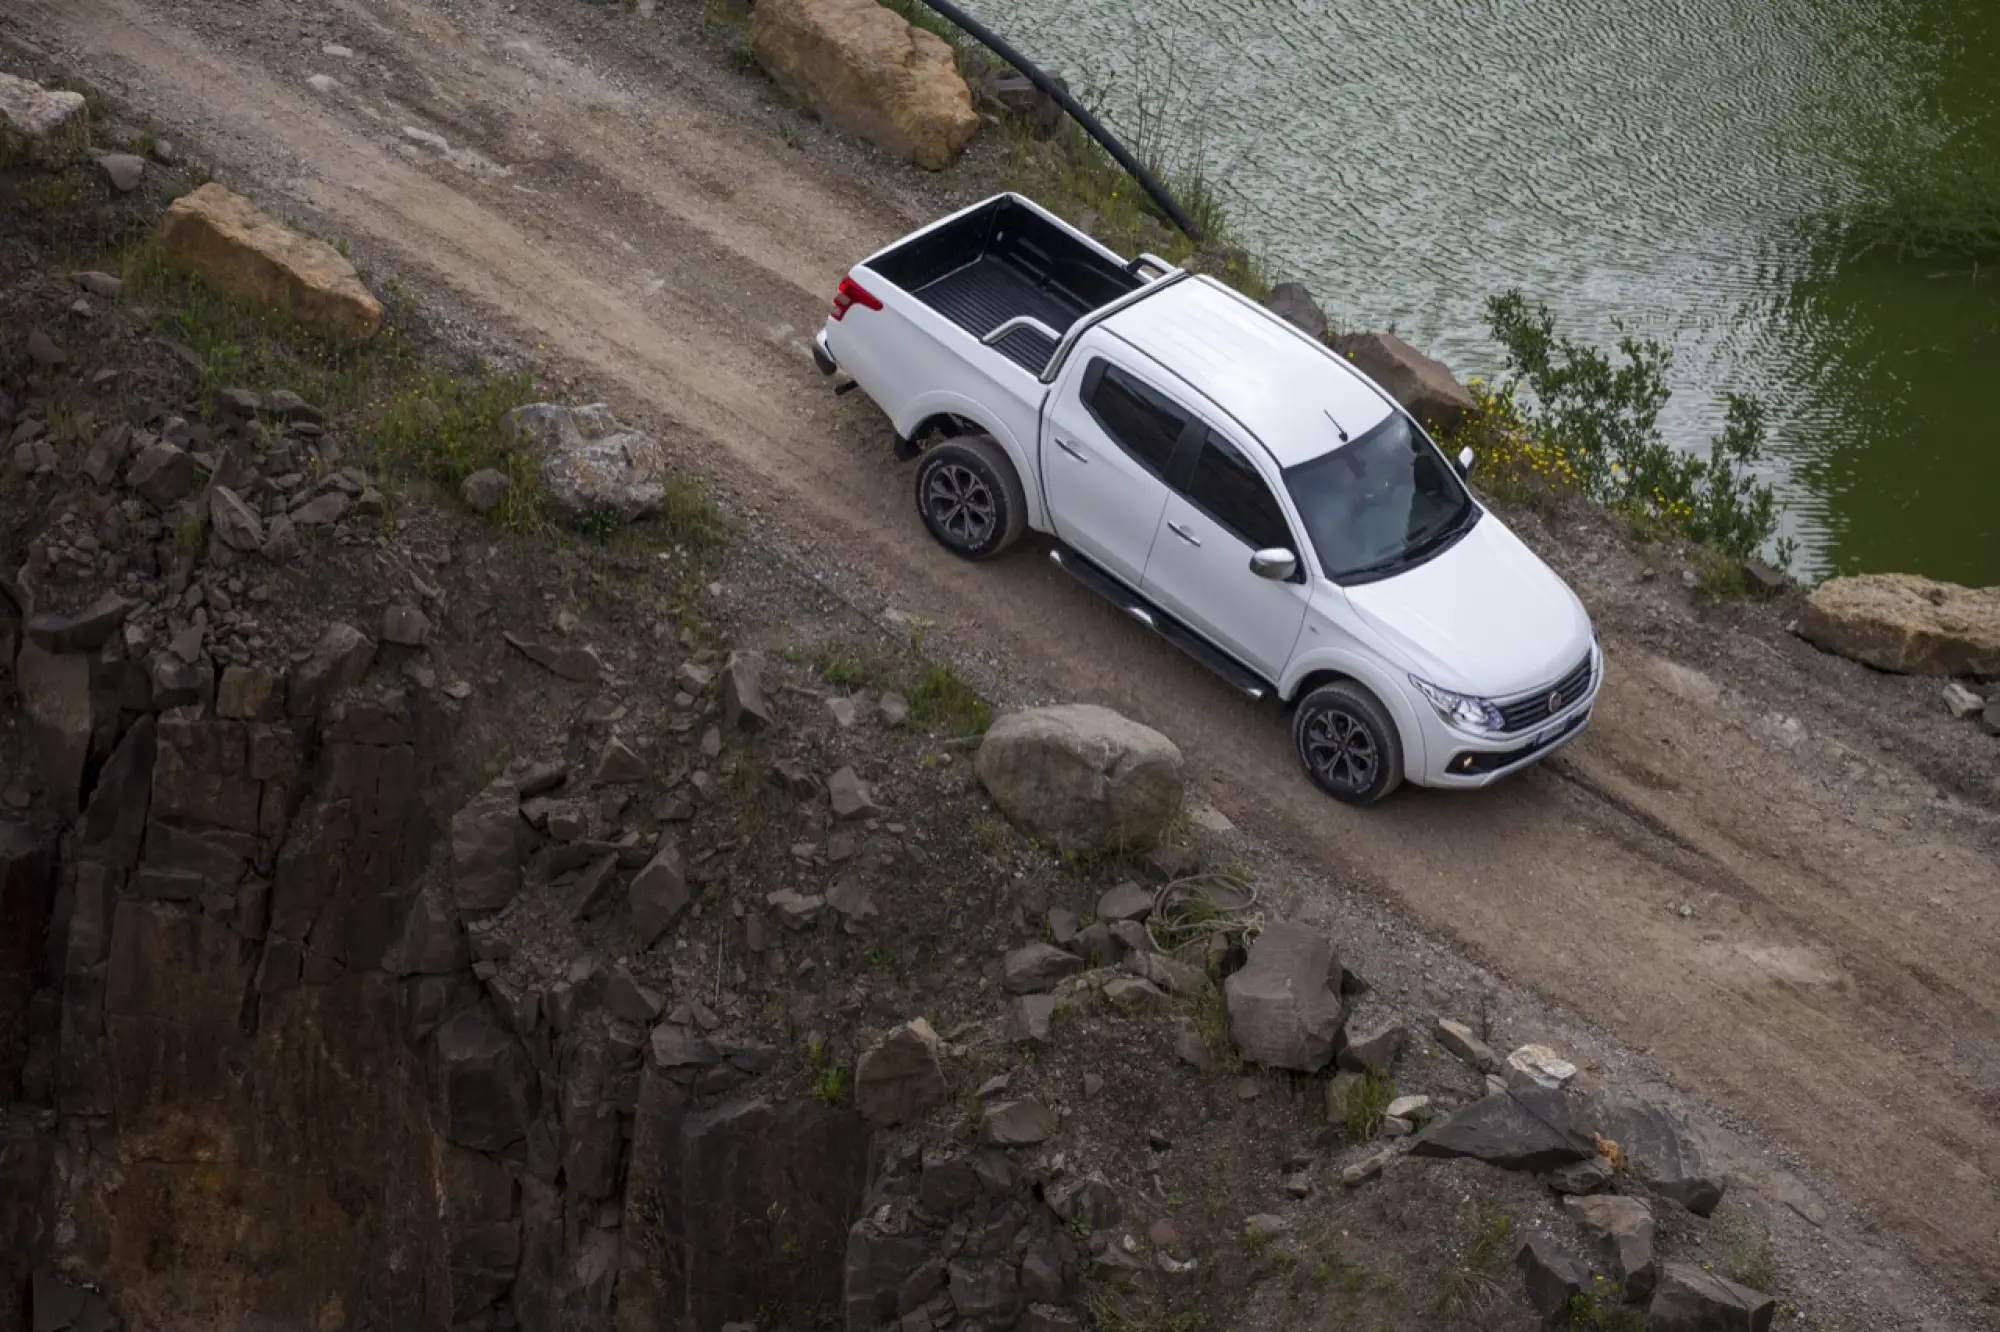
(1688, 170)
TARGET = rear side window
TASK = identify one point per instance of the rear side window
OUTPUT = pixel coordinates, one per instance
(1228, 487)
(1144, 423)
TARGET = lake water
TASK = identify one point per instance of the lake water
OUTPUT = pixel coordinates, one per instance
(1681, 169)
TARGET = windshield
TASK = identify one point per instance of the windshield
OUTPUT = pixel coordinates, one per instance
(1380, 504)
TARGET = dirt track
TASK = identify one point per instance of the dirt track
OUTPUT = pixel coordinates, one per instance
(1838, 981)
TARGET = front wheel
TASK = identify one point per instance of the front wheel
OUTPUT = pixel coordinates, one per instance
(1348, 744)
(970, 497)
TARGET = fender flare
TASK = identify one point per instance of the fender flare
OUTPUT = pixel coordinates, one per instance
(1371, 675)
(942, 402)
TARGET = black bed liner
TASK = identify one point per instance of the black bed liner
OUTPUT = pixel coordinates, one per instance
(1002, 261)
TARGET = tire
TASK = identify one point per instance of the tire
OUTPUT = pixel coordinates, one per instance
(970, 497)
(1348, 744)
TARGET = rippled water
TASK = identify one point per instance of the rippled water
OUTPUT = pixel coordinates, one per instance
(1678, 169)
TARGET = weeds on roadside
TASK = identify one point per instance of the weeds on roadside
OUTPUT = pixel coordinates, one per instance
(1602, 1308)
(1741, 1251)
(1588, 426)
(942, 701)
(444, 427)
(1366, 1105)
(1475, 1288)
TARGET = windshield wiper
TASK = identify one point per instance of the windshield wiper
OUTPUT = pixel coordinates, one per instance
(1409, 556)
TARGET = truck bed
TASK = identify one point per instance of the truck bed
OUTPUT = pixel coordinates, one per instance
(1003, 261)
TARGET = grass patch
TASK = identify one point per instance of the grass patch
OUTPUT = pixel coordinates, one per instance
(943, 703)
(444, 427)
(1366, 1105)
(1602, 1308)
(1478, 1287)
(1569, 421)
(1741, 1250)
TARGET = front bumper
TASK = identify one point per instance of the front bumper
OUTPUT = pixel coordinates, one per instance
(1455, 758)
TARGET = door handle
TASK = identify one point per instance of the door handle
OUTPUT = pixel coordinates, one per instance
(1072, 450)
(1184, 534)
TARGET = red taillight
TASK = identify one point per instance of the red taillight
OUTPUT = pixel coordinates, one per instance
(851, 294)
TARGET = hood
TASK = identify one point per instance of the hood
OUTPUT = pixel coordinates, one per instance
(1487, 617)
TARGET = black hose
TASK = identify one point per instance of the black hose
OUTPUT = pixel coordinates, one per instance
(987, 38)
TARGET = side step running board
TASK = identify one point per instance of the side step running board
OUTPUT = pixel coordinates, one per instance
(1166, 626)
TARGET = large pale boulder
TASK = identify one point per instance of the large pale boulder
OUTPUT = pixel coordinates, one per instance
(1426, 387)
(1281, 1011)
(1906, 624)
(46, 128)
(1081, 776)
(590, 463)
(241, 251)
(867, 72)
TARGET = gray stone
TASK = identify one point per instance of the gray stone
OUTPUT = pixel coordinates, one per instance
(620, 764)
(948, 1182)
(1021, 1123)
(1131, 993)
(1538, 1066)
(1525, 1129)
(281, 541)
(1081, 776)
(1127, 901)
(484, 490)
(486, 850)
(162, 475)
(1373, 1044)
(1458, 1038)
(895, 709)
(405, 626)
(1037, 967)
(1029, 1016)
(1173, 976)
(285, 405)
(1659, 1147)
(1425, 387)
(595, 888)
(1553, 1277)
(101, 285)
(246, 693)
(487, 1090)
(1042, 1280)
(49, 127)
(85, 631)
(1291, 302)
(237, 525)
(743, 701)
(1623, 1227)
(1281, 1012)
(658, 894)
(339, 660)
(1062, 925)
(629, 1001)
(1584, 1177)
(901, 1077)
(1961, 702)
(322, 510)
(1989, 720)
(125, 172)
(1414, 1109)
(850, 796)
(56, 698)
(590, 463)
(1692, 1300)
(1189, 1047)
(576, 663)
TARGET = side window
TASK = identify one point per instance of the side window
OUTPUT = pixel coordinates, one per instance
(1230, 489)
(1144, 423)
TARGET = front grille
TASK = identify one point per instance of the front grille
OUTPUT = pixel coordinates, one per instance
(1533, 710)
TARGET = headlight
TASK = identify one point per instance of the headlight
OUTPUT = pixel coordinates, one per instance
(1461, 710)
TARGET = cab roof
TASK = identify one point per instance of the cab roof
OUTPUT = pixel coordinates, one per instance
(1273, 379)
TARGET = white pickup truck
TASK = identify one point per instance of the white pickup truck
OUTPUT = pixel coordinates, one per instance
(1228, 481)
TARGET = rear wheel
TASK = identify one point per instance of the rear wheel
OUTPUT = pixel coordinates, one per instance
(970, 497)
(1348, 743)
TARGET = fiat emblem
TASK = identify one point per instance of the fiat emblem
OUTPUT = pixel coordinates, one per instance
(1555, 703)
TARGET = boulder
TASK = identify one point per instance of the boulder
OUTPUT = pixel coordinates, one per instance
(1538, 1066)
(850, 796)
(901, 1077)
(1126, 901)
(1659, 1147)
(125, 172)
(248, 256)
(1372, 1046)
(162, 474)
(1906, 624)
(1082, 777)
(1021, 1123)
(1028, 1018)
(1623, 1227)
(658, 894)
(1037, 967)
(405, 626)
(865, 71)
(1291, 302)
(237, 525)
(85, 631)
(619, 764)
(743, 701)
(1458, 1038)
(483, 490)
(486, 850)
(1426, 387)
(487, 1091)
(1553, 1277)
(46, 128)
(590, 463)
(1528, 1129)
(339, 661)
(1693, 1300)
(56, 699)
(1281, 1011)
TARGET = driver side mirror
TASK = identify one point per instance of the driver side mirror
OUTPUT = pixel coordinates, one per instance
(1464, 460)
(1276, 564)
